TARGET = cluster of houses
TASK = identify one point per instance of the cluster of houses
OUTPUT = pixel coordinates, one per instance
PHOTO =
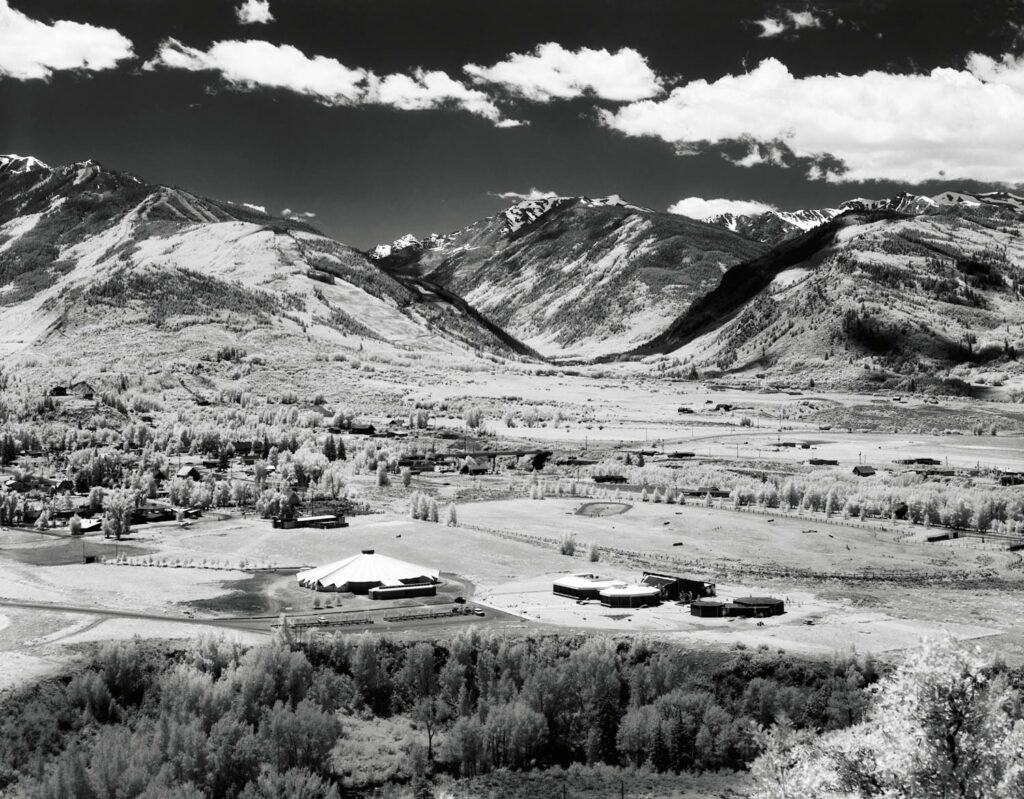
(473, 462)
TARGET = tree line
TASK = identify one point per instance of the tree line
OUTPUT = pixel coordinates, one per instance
(220, 720)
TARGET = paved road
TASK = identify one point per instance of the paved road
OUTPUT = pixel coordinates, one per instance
(249, 624)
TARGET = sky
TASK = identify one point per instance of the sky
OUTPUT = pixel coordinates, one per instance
(380, 117)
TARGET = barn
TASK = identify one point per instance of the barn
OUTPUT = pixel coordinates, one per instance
(583, 586)
(674, 589)
(630, 596)
(365, 571)
(189, 472)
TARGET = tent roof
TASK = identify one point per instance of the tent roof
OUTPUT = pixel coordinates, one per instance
(366, 567)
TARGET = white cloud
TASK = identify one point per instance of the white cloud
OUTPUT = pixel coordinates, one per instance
(770, 27)
(261, 208)
(803, 19)
(423, 90)
(30, 49)
(797, 20)
(254, 63)
(532, 194)
(254, 12)
(702, 209)
(946, 124)
(551, 72)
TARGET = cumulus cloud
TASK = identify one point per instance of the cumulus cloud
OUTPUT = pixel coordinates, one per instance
(551, 72)
(30, 49)
(704, 209)
(254, 12)
(770, 27)
(945, 124)
(423, 90)
(803, 19)
(254, 63)
(791, 20)
(261, 208)
(532, 194)
(288, 212)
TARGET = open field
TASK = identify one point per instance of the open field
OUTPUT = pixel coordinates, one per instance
(505, 555)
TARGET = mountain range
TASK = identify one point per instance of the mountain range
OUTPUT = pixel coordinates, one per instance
(772, 227)
(99, 267)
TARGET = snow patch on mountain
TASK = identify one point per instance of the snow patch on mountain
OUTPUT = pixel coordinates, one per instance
(19, 164)
(529, 211)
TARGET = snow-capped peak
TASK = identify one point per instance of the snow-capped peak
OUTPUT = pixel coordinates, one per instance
(904, 202)
(19, 164)
(527, 211)
(1002, 199)
(406, 242)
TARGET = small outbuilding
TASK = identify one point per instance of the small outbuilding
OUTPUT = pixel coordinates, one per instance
(863, 470)
(706, 608)
(630, 596)
(760, 605)
(81, 388)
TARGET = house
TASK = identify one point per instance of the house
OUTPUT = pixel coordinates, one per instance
(864, 470)
(58, 391)
(609, 478)
(362, 429)
(63, 486)
(82, 389)
(473, 466)
(188, 472)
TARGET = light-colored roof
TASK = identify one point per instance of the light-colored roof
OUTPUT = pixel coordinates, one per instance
(587, 581)
(630, 590)
(366, 568)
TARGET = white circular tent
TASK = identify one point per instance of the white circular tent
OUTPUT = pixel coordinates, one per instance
(367, 570)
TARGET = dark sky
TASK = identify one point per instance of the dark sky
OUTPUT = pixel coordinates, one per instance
(371, 173)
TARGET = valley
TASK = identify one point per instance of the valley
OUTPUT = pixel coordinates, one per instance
(199, 403)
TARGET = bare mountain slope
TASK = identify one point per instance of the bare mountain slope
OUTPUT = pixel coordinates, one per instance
(575, 277)
(95, 264)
